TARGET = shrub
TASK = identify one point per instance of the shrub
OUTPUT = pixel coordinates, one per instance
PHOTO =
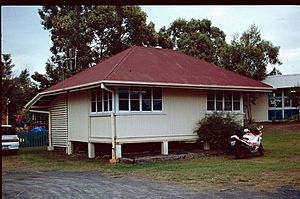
(217, 128)
(251, 125)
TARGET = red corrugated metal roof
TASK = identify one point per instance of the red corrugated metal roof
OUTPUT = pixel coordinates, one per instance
(154, 65)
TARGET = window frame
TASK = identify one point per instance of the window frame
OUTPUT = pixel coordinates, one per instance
(276, 98)
(110, 101)
(232, 100)
(140, 89)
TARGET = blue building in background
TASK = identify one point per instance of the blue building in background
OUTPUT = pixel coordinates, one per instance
(280, 103)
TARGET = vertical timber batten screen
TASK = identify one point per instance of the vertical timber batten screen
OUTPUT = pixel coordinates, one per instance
(59, 121)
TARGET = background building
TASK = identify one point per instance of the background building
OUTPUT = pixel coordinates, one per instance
(283, 102)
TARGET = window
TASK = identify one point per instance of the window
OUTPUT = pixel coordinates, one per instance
(219, 101)
(157, 99)
(123, 99)
(94, 100)
(135, 99)
(228, 101)
(275, 99)
(210, 100)
(140, 99)
(101, 100)
(236, 101)
(146, 99)
(223, 101)
(287, 99)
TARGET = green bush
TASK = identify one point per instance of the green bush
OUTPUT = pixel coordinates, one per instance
(217, 128)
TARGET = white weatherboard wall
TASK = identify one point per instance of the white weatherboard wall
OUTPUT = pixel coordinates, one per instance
(59, 121)
(182, 109)
(260, 109)
(78, 108)
(101, 127)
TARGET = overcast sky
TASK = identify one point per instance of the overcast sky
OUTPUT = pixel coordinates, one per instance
(25, 39)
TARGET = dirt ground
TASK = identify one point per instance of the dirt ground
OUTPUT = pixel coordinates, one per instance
(57, 184)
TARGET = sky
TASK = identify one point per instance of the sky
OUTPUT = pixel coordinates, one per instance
(23, 36)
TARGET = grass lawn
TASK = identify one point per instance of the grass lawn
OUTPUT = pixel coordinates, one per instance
(279, 166)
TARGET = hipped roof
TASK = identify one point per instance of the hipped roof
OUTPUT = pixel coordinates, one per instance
(154, 65)
(140, 66)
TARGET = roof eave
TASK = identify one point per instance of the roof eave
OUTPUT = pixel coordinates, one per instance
(195, 86)
(169, 85)
(41, 95)
(60, 91)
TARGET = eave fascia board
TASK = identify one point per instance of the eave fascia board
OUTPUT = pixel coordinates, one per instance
(39, 96)
(194, 86)
(33, 101)
(79, 87)
(162, 84)
(61, 91)
(39, 111)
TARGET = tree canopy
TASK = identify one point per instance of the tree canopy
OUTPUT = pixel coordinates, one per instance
(16, 90)
(97, 32)
(249, 55)
(198, 38)
(275, 71)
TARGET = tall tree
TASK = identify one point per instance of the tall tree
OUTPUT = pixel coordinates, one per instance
(16, 91)
(7, 82)
(249, 55)
(7, 66)
(198, 38)
(97, 32)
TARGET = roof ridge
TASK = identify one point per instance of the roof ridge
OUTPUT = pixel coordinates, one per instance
(117, 64)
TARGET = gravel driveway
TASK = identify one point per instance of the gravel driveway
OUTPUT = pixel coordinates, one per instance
(57, 184)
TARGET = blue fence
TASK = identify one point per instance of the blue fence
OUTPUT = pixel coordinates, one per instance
(36, 137)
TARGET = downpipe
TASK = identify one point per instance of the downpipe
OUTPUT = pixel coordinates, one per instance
(113, 126)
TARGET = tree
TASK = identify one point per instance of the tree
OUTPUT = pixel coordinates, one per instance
(198, 38)
(275, 72)
(16, 91)
(97, 32)
(27, 88)
(7, 83)
(7, 66)
(163, 38)
(249, 55)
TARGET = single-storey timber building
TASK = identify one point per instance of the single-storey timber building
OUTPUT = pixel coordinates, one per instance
(143, 95)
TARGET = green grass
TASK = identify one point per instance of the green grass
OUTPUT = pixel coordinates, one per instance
(39, 159)
(279, 166)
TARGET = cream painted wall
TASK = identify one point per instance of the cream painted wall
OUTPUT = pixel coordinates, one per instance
(78, 117)
(146, 125)
(101, 126)
(260, 109)
(182, 109)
